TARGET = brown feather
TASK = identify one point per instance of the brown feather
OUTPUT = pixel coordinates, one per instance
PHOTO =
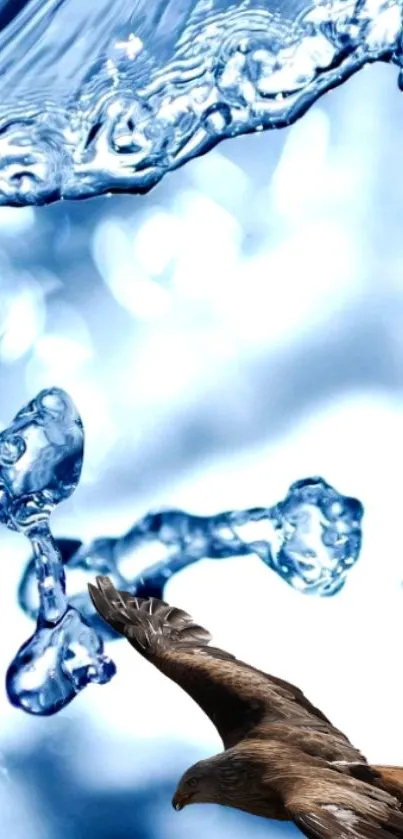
(391, 773)
(283, 758)
(391, 779)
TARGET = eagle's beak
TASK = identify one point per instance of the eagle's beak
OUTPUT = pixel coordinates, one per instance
(179, 801)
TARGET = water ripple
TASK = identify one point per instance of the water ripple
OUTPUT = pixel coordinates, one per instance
(108, 97)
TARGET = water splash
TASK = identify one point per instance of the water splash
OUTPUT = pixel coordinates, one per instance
(310, 539)
(41, 454)
(109, 96)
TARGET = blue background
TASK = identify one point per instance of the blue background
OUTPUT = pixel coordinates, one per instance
(236, 329)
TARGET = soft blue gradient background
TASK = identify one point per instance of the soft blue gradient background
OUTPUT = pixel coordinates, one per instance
(236, 329)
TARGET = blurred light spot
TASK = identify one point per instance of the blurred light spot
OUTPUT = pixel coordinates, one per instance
(138, 293)
(169, 367)
(22, 317)
(49, 282)
(109, 244)
(60, 353)
(67, 346)
(219, 178)
(63, 355)
(281, 292)
(16, 220)
(156, 242)
(300, 178)
(209, 248)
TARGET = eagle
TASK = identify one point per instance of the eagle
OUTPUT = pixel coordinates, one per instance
(282, 759)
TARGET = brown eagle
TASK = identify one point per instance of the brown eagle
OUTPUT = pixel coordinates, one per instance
(282, 757)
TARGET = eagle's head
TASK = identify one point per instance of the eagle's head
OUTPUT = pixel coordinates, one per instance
(217, 780)
(197, 785)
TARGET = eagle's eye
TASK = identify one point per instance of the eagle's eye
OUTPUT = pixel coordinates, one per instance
(192, 782)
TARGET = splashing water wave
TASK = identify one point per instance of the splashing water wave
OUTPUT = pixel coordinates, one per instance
(41, 454)
(109, 96)
(311, 539)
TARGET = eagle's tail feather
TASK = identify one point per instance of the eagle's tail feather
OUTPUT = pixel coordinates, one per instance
(145, 621)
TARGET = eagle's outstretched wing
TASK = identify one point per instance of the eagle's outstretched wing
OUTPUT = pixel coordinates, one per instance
(241, 701)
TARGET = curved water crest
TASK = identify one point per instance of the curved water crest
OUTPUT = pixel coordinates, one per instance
(108, 96)
(311, 539)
